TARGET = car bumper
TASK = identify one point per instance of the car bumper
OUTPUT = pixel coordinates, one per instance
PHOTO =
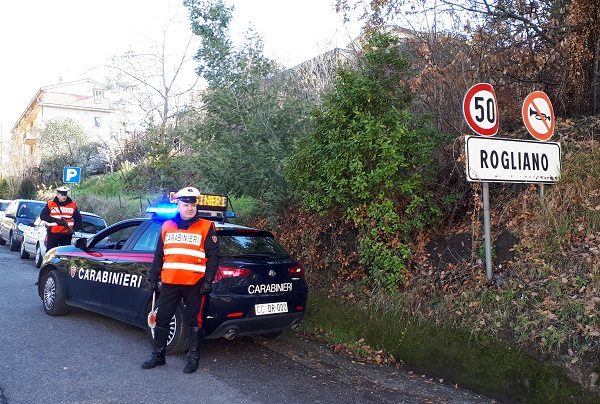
(239, 327)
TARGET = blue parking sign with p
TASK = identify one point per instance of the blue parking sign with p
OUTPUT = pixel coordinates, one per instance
(72, 175)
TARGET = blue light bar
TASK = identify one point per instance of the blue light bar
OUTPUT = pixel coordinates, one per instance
(167, 211)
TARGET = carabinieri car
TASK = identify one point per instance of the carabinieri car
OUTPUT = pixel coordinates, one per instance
(259, 289)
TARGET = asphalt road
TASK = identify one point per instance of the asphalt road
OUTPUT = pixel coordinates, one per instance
(88, 358)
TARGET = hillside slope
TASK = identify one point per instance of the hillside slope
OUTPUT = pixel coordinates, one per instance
(545, 294)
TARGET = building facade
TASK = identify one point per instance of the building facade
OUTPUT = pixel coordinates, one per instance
(86, 101)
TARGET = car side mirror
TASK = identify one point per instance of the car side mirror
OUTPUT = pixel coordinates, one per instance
(81, 243)
(10, 216)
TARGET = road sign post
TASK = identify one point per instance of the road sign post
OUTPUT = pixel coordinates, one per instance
(71, 175)
(480, 110)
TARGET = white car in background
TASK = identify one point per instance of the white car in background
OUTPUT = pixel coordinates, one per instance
(35, 235)
(3, 205)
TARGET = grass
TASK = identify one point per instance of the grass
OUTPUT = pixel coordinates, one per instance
(482, 364)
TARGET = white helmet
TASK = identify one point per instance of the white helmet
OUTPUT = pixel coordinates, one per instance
(187, 194)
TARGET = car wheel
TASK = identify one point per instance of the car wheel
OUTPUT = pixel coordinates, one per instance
(14, 245)
(24, 254)
(178, 333)
(2, 241)
(273, 335)
(54, 295)
(38, 256)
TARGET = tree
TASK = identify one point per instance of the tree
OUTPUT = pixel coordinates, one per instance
(550, 45)
(370, 159)
(63, 142)
(250, 115)
(158, 84)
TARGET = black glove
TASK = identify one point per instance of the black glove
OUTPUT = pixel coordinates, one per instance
(153, 286)
(206, 288)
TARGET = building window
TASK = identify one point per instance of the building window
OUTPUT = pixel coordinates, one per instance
(98, 96)
(97, 121)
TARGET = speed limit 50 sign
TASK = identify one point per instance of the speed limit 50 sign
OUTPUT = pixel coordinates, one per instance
(480, 109)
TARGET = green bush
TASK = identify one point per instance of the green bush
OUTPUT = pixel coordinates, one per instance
(370, 159)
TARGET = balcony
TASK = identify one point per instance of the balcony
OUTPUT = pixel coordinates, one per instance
(30, 138)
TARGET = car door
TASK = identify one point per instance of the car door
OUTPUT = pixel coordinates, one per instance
(33, 234)
(7, 220)
(97, 273)
(135, 262)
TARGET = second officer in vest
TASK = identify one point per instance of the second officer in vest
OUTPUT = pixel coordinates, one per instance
(186, 261)
(63, 216)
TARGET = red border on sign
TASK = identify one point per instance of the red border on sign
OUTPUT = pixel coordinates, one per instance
(467, 113)
(527, 118)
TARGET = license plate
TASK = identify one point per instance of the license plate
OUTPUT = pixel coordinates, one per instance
(270, 308)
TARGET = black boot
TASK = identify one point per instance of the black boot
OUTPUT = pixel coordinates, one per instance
(160, 349)
(195, 335)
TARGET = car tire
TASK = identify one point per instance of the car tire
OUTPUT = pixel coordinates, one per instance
(178, 334)
(274, 335)
(38, 256)
(24, 254)
(14, 246)
(2, 241)
(53, 297)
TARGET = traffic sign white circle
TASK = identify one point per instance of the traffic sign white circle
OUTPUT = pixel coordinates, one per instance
(480, 109)
(538, 115)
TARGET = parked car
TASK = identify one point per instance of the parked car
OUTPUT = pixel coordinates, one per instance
(3, 205)
(19, 211)
(259, 289)
(35, 235)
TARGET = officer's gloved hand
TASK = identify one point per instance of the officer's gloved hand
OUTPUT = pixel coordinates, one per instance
(153, 286)
(206, 288)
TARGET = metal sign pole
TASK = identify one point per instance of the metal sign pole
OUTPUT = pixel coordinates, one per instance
(486, 229)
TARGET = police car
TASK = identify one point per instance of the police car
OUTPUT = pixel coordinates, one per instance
(259, 289)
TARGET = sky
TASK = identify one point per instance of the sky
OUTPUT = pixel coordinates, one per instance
(43, 42)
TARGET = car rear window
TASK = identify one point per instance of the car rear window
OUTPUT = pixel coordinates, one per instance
(92, 224)
(250, 244)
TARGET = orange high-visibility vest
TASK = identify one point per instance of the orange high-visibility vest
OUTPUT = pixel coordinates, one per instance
(65, 211)
(184, 261)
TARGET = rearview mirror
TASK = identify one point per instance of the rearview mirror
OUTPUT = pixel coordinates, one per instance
(81, 243)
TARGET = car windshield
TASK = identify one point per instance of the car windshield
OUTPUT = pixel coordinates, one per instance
(4, 205)
(250, 245)
(30, 210)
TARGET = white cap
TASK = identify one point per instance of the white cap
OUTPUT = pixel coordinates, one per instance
(62, 189)
(187, 194)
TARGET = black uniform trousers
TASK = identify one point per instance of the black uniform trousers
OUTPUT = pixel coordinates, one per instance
(57, 239)
(171, 295)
